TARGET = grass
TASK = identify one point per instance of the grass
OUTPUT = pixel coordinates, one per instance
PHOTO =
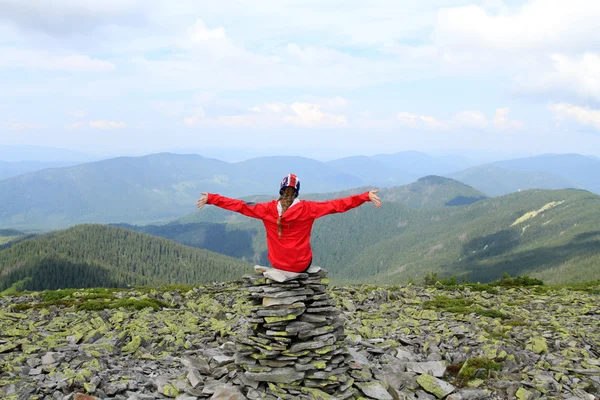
(461, 306)
(476, 368)
(129, 304)
(89, 300)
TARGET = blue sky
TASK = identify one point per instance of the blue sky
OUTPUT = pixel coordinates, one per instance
(314, 78)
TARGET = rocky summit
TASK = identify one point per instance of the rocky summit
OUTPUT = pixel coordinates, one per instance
(267, 339)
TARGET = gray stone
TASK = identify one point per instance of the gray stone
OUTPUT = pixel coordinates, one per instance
(435, 368)
(194, 377)
(227, 392)
(374, 390)
(281, 375)
(274, 301)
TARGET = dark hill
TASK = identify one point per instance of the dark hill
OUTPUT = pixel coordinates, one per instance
(99, 255)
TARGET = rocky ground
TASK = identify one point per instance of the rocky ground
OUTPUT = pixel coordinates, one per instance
(405, 342)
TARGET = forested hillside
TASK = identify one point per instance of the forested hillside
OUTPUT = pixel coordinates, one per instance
(98, 255)
(219, 238)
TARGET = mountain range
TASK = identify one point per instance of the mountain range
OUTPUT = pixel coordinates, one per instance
(162, 187)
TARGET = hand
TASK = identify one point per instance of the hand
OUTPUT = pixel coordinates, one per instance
(374, 198)
(202, 202)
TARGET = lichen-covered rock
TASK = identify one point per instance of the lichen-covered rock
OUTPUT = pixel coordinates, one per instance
(437, 387)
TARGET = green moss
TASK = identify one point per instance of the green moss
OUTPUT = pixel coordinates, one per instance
(491, 313)
(476, 368)
(453, 305)
(129, 304)
(53, 295)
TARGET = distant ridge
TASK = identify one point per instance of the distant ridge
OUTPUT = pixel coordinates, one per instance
(162, 187)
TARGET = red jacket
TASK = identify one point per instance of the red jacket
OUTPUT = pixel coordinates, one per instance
(292, 251)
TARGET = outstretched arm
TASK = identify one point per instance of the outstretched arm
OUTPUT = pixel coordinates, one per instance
(321, 208)
(250, 210)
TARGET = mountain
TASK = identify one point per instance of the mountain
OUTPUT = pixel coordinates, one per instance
(497, 181)
(98, 255)
(420, 164)
(9, 169)
(551, 234)
(161, 187)
(373, 171)
(582, 170)
(550, 171)
(266, 173)
(145, 189)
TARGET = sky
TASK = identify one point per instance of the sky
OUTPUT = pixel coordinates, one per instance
(316, 78)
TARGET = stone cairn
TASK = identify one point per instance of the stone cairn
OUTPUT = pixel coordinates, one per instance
(295, 347)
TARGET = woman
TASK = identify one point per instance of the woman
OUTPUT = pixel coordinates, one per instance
(288, 221)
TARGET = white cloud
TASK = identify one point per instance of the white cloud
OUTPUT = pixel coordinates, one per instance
(76, 125)
(583, 115)
(471, 119)
(420, 121)
(408, 119)
(21, 126)
(575, 74)
(200, 33)
(275, 107)
(196, 118)
(303, 114)
(309, 115)
(546, 25)
(501, 120)
(547, 45)
(43, 60)
(102, 124)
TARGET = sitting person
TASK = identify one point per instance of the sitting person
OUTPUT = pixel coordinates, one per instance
(288, 220)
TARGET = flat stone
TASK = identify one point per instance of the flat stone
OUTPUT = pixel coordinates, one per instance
(435, 386)
(48, 358)
(222, 360)
(227, 392)
(282, 311)
(280, 375)
(435, 368)
(278, 275)
(374, 390)
(299, 326)
(275, 301)
(300, 346)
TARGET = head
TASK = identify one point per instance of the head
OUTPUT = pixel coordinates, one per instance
(288, 191)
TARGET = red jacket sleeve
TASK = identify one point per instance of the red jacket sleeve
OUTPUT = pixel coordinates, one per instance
(318, 209)
(258, 210)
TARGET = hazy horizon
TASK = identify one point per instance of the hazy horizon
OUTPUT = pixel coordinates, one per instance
(24, 153)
